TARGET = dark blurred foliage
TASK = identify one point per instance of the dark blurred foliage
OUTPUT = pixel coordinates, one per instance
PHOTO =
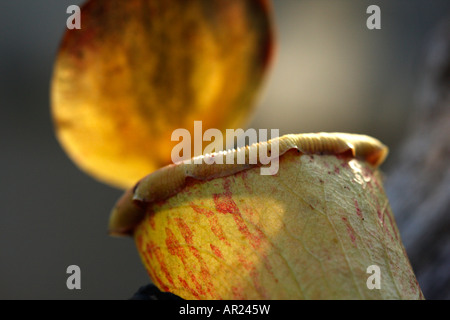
(151, 292)
(419, 183)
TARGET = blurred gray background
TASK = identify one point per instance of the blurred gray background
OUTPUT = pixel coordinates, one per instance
(331, 74)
